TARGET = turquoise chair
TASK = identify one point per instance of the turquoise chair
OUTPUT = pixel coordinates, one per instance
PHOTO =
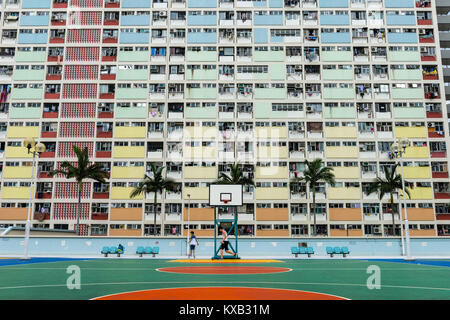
(309, 251)
(140, 251)
(155, 250)
(105, 251)
(345, 251)
(148, 250)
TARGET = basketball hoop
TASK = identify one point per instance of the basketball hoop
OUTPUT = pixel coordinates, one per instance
(225, 201)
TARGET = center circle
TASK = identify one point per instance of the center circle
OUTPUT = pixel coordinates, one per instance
(220, 293)
(224, 270)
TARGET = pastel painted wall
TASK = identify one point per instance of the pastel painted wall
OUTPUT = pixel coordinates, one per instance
(273, 247)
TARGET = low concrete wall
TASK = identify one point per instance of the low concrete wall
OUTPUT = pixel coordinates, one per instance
(268, 247)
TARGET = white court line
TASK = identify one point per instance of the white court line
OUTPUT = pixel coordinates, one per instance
(422, 268)
(225, 282)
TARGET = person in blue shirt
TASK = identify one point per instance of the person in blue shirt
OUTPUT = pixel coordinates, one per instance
(192, 245)
(120, 248)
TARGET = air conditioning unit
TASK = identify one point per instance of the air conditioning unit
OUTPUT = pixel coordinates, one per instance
(309, 109)
(154, 105)
(163, 13)
(298, 85)
(376, 230)
(13, 18)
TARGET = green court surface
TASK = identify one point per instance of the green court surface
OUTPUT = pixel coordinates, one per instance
(343, 278)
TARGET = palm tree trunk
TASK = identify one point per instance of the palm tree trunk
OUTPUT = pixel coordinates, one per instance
(393, 219)
(314, 207)
(154, 210)
(80, 190)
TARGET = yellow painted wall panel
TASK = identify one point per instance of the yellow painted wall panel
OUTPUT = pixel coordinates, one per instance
(197, 193)
(15, 192)
(129, 132)
(17, 172)
(123, 193)
(341, 132)
(200, 172)
(411, 132)
(17, 152)
(346, 172)
(128, 172)
(128, 152)
(341, 152)
(23, 132)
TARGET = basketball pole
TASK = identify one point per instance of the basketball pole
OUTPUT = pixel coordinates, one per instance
(188, 221)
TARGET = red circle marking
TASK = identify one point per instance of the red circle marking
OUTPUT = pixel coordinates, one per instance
(220, 293)
(224, 270)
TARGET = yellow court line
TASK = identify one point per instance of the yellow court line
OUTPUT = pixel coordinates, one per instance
(225, 261)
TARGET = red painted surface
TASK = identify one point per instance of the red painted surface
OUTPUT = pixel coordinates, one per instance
(225, 270)
(111, 23)
(106, 114)
(110, 40)
(434, 114)
(106, 95)
(51, 96)
(59, 5)
(443, 216)
(53, 77)
(109, 58)
(428, 58)
(220, 293)
(41, 195)
(97, 195)
(50, 115)
(54, 58)
(439, 175)
(435, 135)
(59, 23)
(107, 77)
(438, 154)
(426, 40)
(112, 5)
(442, 195)
(431, 77)
(423, 22)
(48, 154)
(104, 135)
(103, 154)
(99, 216)
(48, 134)
(57, 40)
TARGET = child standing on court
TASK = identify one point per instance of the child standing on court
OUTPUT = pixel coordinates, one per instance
(192, 244)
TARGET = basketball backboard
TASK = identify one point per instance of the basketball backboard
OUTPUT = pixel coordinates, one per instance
(225, 195)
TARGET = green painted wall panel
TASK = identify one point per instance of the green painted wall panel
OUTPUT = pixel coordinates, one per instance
(131, 93)
(25, 113)
(29, 75)
(130, 112)
(262, 110)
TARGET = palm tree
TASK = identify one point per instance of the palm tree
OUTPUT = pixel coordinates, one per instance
(156, 184)
(391, 184)
(81, 171)
(315, 171)
(236, 176)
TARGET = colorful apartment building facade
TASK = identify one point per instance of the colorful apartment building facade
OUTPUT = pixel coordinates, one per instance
(193, 85)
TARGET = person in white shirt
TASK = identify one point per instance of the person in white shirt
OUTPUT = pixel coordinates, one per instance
(192, 245)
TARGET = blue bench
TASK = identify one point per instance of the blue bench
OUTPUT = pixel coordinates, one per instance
(112, 250)
(338, 250)
(147, 250)
(302, 250)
